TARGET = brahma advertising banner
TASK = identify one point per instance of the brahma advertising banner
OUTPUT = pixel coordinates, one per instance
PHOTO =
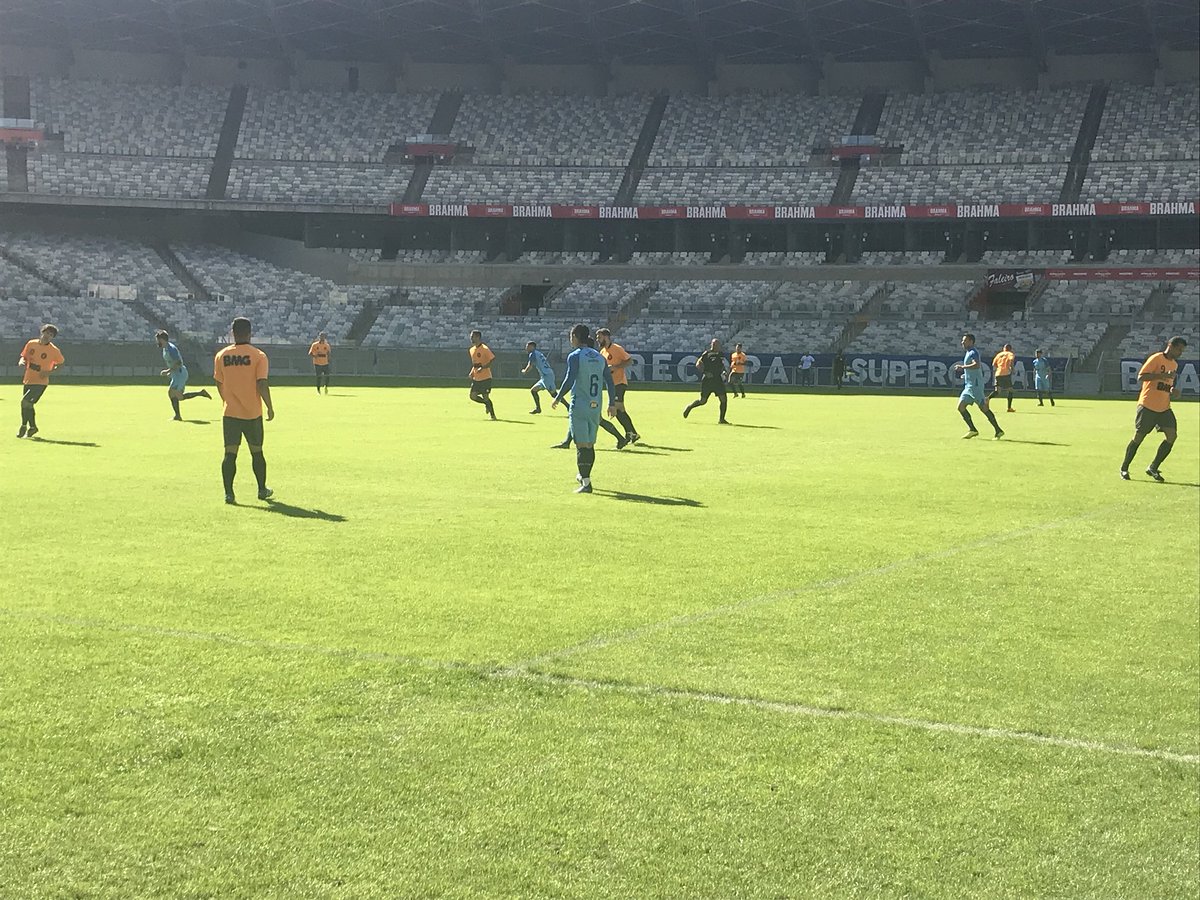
(1187, 379)
(934, 372)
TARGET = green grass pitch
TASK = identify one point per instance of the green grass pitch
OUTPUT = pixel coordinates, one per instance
(834, 650)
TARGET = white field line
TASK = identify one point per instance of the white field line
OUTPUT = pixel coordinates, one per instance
(602, 641)
(639, 690)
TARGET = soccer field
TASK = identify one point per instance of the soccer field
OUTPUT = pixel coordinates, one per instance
(833, 650)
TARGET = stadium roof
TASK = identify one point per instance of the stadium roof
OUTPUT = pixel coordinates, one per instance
(642, 31)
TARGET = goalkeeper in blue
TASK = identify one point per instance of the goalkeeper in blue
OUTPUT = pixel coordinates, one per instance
(545, 382)
(178, 373)
(587, 370)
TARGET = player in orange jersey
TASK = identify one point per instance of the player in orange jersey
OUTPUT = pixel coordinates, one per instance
(1157, 377)
(1002, 371)
(39, 358)
(321, 352)
(240, 371)
(481, 372)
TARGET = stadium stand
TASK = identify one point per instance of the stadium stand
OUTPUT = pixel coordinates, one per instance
(316, 183)
(540, 129)
(1177, 257)
(509, 184)
(676, 186)
(783, 259)
(920, 258)
(917, 300)
(130, 119)
(1092, 300)
(1148, 123)
(16, 282)
(78, 319)
(979, 183)
(755, 130)
(224, 271)
(275, 321)
(957, 128)
(432, 317)
(1057, 339)
(85, 260)
(317, 126)
(798, 335)
(1152, 181)
(1035, 258)
(95, 175)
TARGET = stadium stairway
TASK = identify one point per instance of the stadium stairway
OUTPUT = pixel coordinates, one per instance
(1081, 156)
(17, 161)
(630, 307)
(442, 122)
(866, 121)
(861, 319)
(365, 320)
(641, 151)
(218, 175)
(182, 272)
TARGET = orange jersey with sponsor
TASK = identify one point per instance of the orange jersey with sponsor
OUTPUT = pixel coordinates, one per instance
(319, 351)
(40, 360)
(1156, 394)
(1003, 362)
(481, 356)
(615, 355)
(238, 369)
(737, 363)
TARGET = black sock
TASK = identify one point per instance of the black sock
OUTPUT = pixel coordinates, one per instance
(487, 404)
(611, 429)
(992, 418)
(190, 394)
(228, 470)
(258, 463)
(32, 417)
(24, 415)
(1050, 398)
(318, 384)
(585, 457)
(967, 418)
(1010, 396)
(1130, 450)
(1164, 450)
(626, 422)
(537, 403)
(724, 403)
(175, 405)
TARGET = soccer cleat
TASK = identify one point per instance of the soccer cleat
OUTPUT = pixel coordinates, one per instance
(176, 418)
(584, 488)
(970, 434)
(1041, 404)
(33, 429)
(686, 410)
(265, 493)
(21, 433)
(1124, 474)
(1155, 474)
(229, 498)
(1010, 409)
(621, 442)
(633, 437)
(999, 434)
(206, 395)
(535, 412)
(565, 445)
(724, 422)
(493, 415)
(579, 479)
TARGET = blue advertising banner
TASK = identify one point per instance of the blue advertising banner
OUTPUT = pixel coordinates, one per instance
(861, 369)
(1187, 378)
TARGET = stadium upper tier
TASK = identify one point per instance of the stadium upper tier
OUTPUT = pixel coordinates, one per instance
(145, 141)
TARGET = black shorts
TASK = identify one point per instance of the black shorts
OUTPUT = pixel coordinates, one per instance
(619, 392)
(322, 370)
(235, 428)
(709, 386)
(737, 377)
(1004, 382)
(33, 393)
(1147, 420)
(481, 388)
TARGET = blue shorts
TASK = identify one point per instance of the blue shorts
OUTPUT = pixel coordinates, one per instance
(968, 397)
(179, 379)
(585, 420)
(1041, 384)
(545, 383)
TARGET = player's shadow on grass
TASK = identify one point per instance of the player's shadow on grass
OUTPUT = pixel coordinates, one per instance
(639, 445)
(1009, 440)
(197, 421)
(647, 498)
(42, 440)
(740, 425)
(299, 512)
(642, 451)
(515, 421)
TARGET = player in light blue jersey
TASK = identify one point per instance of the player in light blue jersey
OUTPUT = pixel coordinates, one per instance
(1043, 372)
(546, 382)
(178, 373)
(972, 372)
(587, 371)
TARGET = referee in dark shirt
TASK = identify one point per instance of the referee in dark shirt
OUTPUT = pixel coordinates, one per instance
(711, 366)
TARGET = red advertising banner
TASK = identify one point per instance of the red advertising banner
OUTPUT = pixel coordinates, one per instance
(767, 212)
(1124, 273)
